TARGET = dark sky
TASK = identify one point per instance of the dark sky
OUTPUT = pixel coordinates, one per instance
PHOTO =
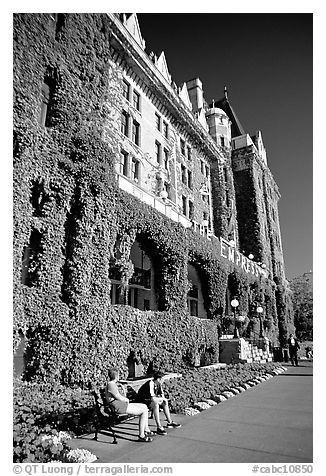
(266, 62)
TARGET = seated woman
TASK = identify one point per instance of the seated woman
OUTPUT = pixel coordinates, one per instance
(122, 405)
(151, 394)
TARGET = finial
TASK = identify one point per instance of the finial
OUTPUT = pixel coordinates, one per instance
(213, 103)
(225, 92)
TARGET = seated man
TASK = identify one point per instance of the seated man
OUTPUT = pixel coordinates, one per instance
(151, 393)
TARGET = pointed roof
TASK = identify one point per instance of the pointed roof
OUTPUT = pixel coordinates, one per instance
(183, 93)
(162, 66)
(132, 25)
(201, 116)
(236, 127)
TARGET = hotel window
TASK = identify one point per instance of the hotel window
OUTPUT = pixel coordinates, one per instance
(205, 216)
(158, 121)
(183, 147)
(192, 300)
(222, 140)
(207, 170)
(135, 132)
(136, 100)
(227, 198)
(191, 210)
(189, 153)
(167, 188)
(124, 123)
(158, 152)
(123, 163)
(126, 89)
(165, 129)
(189, 179)
(225, 175)
(47, 92)
(183, 175)
(205, 199)
(202, 167)
(166, 159)
(135, 170)
(184, 205)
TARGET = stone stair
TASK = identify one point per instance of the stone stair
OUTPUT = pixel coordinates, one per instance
(239, 350)
(252, 353)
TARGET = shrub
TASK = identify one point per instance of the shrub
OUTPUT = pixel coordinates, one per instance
(200, 384)
(40, 411)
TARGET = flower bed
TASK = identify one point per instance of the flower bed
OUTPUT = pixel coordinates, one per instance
(44, 413)
(200, 385)
(40, 412)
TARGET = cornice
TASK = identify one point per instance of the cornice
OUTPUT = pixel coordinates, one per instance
(123, 42)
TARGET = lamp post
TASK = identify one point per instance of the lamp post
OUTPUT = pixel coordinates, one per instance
(260, 310)
(235, 304)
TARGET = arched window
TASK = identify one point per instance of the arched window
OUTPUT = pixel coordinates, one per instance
(30, 259)
(141, 293)
(47, 92)
(195, 299)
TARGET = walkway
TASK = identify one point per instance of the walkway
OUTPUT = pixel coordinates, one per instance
(271, 422)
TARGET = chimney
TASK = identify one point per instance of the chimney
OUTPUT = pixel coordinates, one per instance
(195, 91)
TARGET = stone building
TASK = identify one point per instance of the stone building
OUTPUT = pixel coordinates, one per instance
(136, 201)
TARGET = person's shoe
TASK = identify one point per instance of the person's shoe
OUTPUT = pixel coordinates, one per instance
(161, 431)
(145, 439)
(173, 424)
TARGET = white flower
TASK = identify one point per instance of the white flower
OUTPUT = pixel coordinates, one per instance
(201, 406)
(210, 402)
(240, 389)
(235, 391)
(220, 398)
(64, 436)
(80, 455)
(191, 411)
(228, 394)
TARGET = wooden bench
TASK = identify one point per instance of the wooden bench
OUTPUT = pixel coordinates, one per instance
(106, 415)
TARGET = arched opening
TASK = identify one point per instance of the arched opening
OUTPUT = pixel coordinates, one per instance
(30, 259)
(195, 298)
(140, 290)
(227, 322)
(141, 285)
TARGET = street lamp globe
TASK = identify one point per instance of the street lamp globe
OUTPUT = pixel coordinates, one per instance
(260, 310)
(235, 304)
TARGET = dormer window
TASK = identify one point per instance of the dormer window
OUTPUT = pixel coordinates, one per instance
(158, 121)
(126, 89)
(183, 147)
(165, 130)
(136, 100)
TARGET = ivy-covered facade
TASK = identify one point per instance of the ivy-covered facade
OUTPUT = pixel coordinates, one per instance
(136, 207)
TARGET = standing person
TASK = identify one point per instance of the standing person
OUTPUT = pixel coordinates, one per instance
(293, 349)
(151, 394)
(115, 395)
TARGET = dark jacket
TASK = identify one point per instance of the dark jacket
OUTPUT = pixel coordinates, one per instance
(294, 347)
(144, 394)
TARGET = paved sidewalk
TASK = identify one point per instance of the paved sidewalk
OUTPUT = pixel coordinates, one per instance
(271, 422)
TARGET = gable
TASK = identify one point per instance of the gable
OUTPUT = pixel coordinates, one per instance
(162, 66)
(132, 26)
(183, 93)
